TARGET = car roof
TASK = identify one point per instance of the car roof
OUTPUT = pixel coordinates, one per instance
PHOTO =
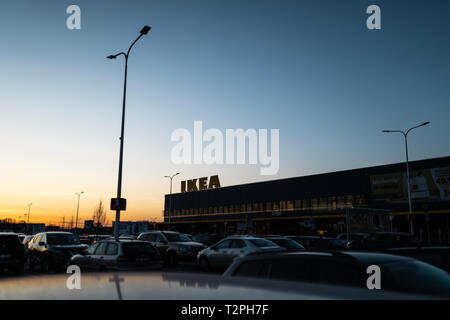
(356, 256)
(244, 237)
(167, 285)
(123, 240)
(57, 232)
(312, 237)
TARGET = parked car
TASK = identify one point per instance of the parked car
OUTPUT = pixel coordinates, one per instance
(285, 242)
(12, 253)
(21, 236)
(319, 243)
(25, 243)
(346, 268)
(172, 246)
(222, 254)
(158, 286)
(385, 240)
(124, 254)
(52, 250)
(353, 240)
(437, 256)
(208, 239)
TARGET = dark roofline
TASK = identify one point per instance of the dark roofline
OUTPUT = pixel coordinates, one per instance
(416, 164)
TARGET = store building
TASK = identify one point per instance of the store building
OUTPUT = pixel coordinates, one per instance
(316, 203)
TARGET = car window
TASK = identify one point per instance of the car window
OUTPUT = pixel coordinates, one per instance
(137, 249)
(101, 249)
(256, 268)
(224, 244)
(112, 249)
(149, 237)
(236, 243)
(287, 243)
(430, 280)
(333, 272)
(260, 243)
(8, 241)
(62, 239)
(177, 237)
(293, 269)
(159, 238)
(92, 248)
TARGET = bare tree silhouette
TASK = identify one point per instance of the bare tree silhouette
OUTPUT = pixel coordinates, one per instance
(99, 216)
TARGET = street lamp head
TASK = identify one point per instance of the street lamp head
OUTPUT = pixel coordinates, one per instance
(111, 57)
(425, 123)
(145, 30)
(177, 173)
(386, 130)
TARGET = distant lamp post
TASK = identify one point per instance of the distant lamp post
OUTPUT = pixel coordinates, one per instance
(405, 135)
(143, 31)
(28, 215)
(78, 207)
(170, 202)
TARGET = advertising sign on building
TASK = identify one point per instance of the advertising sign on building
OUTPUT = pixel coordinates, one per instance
(426, 184)
(367, 220)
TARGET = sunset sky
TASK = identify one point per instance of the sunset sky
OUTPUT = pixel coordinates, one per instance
(308, 68)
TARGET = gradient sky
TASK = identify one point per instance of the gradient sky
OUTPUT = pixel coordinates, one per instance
(308, 68)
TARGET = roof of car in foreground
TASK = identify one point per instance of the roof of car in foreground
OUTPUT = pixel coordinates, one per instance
(168, 285)
(363, 257)
(57, 232)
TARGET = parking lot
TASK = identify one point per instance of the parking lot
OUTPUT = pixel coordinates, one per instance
(345, 260)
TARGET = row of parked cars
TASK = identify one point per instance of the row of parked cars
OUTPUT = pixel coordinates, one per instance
(293, 258)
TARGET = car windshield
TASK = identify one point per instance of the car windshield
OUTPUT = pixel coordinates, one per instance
(62, 239)
(138, 249)
(433, 281)
(260, 243)
(287, 243)
(9, 241)
(177, 237)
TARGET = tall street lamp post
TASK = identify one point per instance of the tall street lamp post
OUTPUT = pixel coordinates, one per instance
(170, 202)
(405, 135)
(78, 207)
(144, 31)
(29, 208)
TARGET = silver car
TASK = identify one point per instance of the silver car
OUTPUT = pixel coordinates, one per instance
(223, 253)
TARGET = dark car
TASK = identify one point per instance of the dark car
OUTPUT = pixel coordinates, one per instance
(208, 239)
(285, 242)
(173, 246)
(52, 250)
(398, 273)
(319, 243)
(354, 240)
(385, 240)
(12, 253)
(157, 286)
(437, 256)
(124, 254)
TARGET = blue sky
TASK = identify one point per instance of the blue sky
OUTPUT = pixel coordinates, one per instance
(308, 68)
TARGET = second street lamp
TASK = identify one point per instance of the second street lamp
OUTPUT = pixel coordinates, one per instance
(405, 135)
(119, 203)
(29, 208)
(78, 207)
(170, 202)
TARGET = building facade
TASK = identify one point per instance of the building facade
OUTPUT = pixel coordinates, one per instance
(317, 203)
